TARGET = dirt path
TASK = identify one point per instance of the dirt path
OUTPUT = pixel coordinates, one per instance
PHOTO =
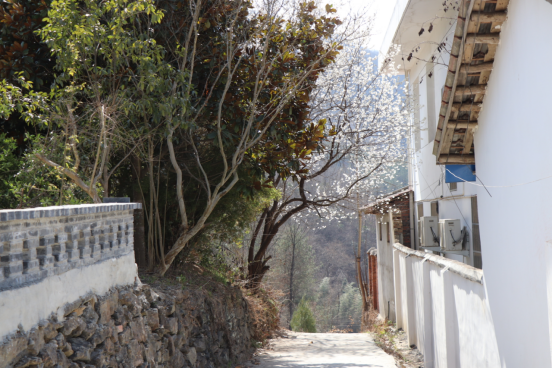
(323, 351)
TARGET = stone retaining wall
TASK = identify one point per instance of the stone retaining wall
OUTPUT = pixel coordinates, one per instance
(70, 297)
(138, 327)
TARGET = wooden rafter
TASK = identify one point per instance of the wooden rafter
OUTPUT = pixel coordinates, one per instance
(476, 38)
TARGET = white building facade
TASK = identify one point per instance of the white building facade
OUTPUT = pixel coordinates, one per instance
(479, 85)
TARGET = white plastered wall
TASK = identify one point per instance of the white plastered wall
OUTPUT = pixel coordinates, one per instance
(427, 176)
(512, 147)
(36, 302)
(445, 311)
(386, 290)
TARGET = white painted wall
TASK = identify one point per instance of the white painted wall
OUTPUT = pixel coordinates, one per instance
(513, 146)
(428, 177)
(31, 304)
(386, 288)
(445, 310)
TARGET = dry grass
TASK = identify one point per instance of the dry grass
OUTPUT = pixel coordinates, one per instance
(262, 303)
(265, 313)
(391, 340)
(369, 319)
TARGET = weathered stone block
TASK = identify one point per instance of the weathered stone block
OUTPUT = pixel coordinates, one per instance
(177, 360)
(99, 357)
(29, 361)
(90, 315)
(72, 325)
(135, 353)
(107, 306)
(191, 356)
(131, 301)
(49, 354)
(36, 341)
(152, 317)
(51, 330)
(82, 349)
(200, 345)
(88, 331)
(125, 336)
(138, 329)
(172, 325)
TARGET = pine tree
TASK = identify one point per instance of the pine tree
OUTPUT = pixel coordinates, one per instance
(303, 318)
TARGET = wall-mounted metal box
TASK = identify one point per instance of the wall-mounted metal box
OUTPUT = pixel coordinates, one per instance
(429, 231)
(450, 234)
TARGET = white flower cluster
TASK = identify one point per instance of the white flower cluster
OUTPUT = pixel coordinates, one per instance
(366, 110)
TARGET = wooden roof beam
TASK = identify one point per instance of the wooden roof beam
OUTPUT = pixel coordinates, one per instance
(468, 141)
(470, 90)
(461, 124)
(456, 160)
(466, 106)
(478, 68)
(498, 17)
(492, 39)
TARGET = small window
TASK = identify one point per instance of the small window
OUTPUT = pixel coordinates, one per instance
(388, 234)
(380, 232)
(453, 187)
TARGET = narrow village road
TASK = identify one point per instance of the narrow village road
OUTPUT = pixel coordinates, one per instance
(324, 350)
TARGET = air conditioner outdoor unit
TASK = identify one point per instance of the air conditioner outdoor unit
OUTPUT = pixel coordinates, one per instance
(451, 234)
(429, 231)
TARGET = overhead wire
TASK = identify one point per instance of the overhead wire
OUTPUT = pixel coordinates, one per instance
(458, 207)
(498, 186)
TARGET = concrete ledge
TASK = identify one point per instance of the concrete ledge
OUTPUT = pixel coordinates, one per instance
(25, 307)
(59, 211)
(466, 271)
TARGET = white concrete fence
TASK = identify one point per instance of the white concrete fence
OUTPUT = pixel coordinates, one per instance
(52, 256)
(442, 306)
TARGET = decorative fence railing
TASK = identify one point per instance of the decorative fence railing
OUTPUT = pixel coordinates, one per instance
(40, 242)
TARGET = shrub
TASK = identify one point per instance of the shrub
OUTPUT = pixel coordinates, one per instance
(303, 318)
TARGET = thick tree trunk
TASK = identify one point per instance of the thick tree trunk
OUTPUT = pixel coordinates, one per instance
(257, 262)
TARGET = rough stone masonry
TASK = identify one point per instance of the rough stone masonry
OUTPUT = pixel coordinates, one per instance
(138, 327)
(70, 297)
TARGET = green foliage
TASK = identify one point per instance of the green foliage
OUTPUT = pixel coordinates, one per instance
(303, 318)
(338, 305)
(350, 308)
(220, 242)
(121, 80)
(304, 264)
(324, 288)
(294, 44)
(21, 50)
(25, 182)
(182, 280)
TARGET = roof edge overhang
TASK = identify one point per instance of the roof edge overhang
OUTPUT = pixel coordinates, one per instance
(385, 202)
(472, 55)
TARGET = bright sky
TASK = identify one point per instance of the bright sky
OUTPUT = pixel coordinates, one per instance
(383, 10)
